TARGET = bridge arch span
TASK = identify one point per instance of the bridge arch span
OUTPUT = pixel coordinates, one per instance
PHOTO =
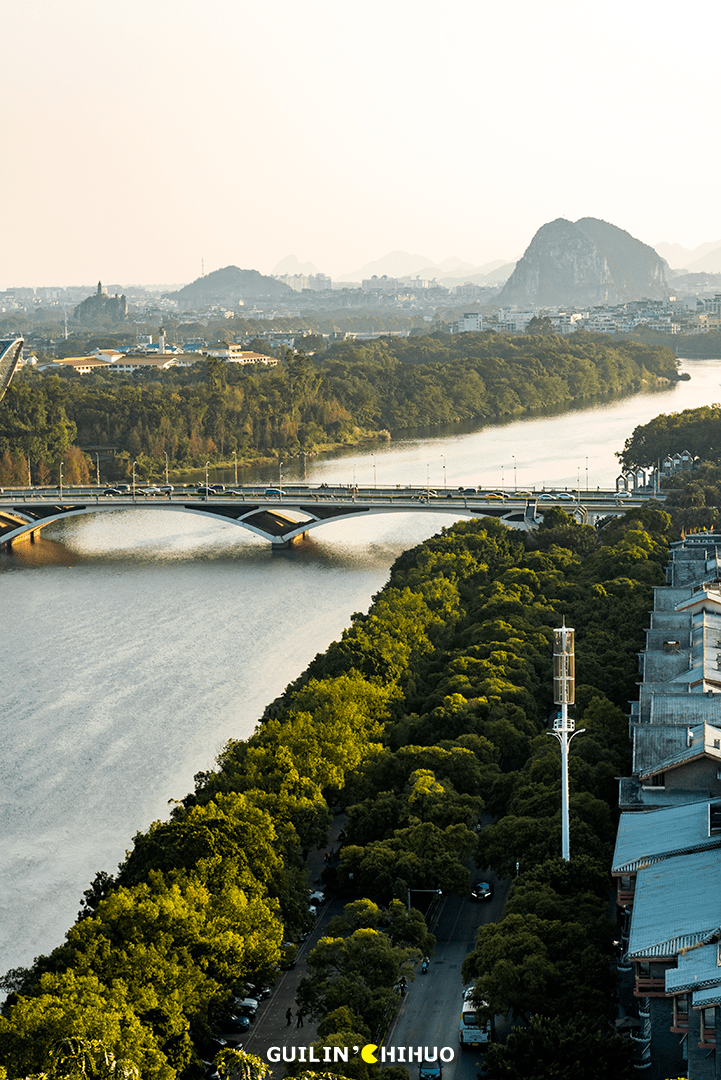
(265, 519)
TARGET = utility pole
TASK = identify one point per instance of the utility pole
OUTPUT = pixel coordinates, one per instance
(564, 694)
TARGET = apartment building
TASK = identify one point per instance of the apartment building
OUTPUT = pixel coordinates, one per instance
(667, 859)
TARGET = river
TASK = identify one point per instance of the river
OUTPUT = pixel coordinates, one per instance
(136, 644)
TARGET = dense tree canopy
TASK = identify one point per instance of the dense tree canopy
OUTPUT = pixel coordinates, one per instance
(214, 410)
(430, 711)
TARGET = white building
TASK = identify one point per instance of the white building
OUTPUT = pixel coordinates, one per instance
(471, 322)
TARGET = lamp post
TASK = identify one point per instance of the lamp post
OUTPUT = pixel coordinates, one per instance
(428, 483)
(207, 466)
(515, 481)
(280, 476)
(166, 467)
(438, 892)
(587, 475)
(97, 469)
(30, 478)
(61, 479)
(443, 458)
(564, 694)
(235, 462)
(134, 464)
(374, 472)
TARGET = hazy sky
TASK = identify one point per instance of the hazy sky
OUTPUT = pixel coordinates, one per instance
(143, 136)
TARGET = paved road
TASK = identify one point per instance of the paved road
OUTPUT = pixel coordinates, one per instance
(430, 1011)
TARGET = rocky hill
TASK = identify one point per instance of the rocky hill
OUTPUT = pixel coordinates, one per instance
(228, 286)
(584, 263)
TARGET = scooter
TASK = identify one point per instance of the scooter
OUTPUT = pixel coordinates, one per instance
(424, 965)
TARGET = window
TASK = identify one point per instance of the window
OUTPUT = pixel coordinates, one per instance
(657, 781)
(708, 1027)
(680, 1012)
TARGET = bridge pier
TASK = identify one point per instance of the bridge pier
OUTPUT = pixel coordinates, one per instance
(278, 543)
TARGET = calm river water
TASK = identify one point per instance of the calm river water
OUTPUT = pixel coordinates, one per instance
(135, 645)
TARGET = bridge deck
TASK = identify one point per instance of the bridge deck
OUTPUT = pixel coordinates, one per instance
(24, 512)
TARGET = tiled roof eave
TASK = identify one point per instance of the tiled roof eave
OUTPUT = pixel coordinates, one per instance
(669, 949)
(633, 865)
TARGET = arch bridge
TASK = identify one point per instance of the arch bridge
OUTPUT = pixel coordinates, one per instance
(284, 518)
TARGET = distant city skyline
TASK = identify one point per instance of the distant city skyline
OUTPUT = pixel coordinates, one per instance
(146, 141)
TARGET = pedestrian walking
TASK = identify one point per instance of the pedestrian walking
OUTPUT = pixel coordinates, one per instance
(299, 1020)
(289, 1017)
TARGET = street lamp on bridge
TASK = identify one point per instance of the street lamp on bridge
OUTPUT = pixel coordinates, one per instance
(207, 466)
(134, 467)
(235, 462)
(61, 479)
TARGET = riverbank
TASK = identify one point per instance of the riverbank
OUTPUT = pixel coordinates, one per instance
(131, 604)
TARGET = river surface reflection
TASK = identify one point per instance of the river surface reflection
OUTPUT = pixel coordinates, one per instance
(135, 645)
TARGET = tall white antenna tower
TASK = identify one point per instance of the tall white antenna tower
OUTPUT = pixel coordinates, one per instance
(564, 694)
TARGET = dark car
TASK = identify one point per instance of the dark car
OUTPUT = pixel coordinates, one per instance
(235, 1025)
(482, 890)
(113, 491)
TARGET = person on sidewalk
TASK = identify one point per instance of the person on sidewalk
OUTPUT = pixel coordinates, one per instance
(299, 1020)
(289, 1017)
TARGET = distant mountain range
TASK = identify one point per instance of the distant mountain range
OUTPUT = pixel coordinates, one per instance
(452, 271)
(586, 262)
(291, 265)
(705, 259)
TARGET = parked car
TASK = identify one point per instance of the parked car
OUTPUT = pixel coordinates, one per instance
(482, 890)
(245, 1007)
(235, 1025)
